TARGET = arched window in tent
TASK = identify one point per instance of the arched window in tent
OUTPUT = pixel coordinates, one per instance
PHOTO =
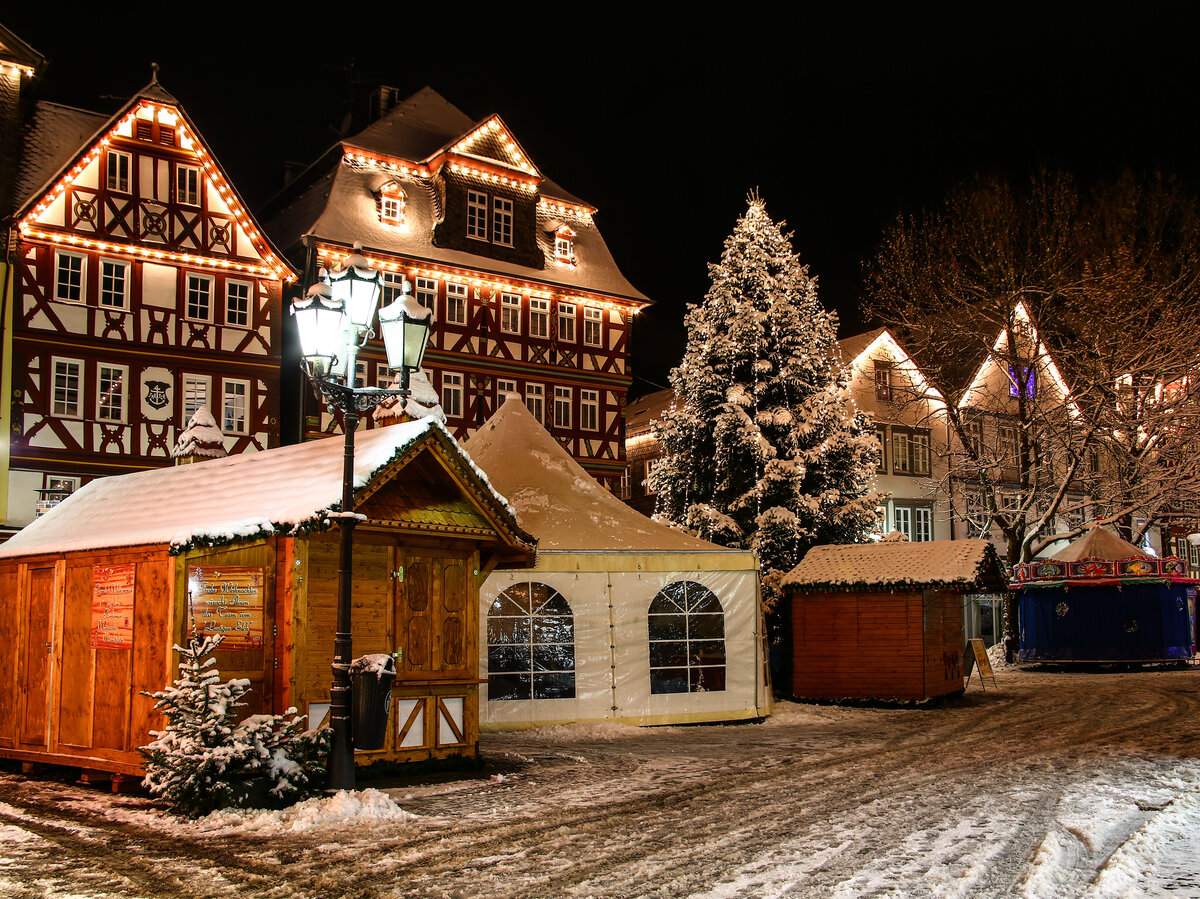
(531, 644)
(687, 640)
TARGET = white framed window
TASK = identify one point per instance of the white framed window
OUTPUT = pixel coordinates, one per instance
(883, 381)
(187, 184)
(510, 313)
(198, 297)
(686, 630)
(566, 322)
(68, 277)
(117, 166)
(66, 401)
(237, 303)
(530, 644)
(477, 210)
(456, 304)
(195, 394)
(901, 464)
(393, 287)
(505, 387)
(589, 410)
(902, 520)
(977, 515)
(922, 525)
(502, 221)
(564, 248)
(623, 486)
(55, 489)
(562, 407)
(881, 437)
(919, 445)
(383, 375)
(360, 375)
(114, 284)
(110, 391)
(426, 291)
(452, 394)
(235, 406)
(535, 400)
(539, 318)
(391, 207)
(591, 326)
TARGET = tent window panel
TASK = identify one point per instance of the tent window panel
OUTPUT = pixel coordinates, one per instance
(531, 644)
(686, 630)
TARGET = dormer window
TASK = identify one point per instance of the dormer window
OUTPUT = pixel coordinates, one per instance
(477, 209)
(391, 204)
(502, 221)
(883, 381)
(1025, 383)
(564, 245)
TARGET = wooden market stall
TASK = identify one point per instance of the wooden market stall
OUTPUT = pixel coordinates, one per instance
(884, 620)
(95, 594)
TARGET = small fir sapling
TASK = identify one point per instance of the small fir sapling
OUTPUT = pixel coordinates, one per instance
(203, 760)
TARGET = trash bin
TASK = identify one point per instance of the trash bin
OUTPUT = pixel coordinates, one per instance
(371, 679)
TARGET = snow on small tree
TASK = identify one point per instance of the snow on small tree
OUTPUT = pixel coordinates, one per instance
(763, 447)
(204, 761)
(201, 439)
(423, 402)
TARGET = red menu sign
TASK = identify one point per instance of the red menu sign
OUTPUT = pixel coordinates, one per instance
(112, 606)
(227, 600)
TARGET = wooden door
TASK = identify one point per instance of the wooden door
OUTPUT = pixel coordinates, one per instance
(435, 616)
(36, 658)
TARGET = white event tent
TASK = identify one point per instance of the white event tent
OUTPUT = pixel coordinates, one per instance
(621, 618)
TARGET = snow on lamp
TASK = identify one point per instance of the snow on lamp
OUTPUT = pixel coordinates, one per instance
(357, 285)
(405, 327)
(321, 323)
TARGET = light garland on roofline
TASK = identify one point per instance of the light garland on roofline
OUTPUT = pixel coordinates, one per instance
(165, 115)
(7, 67)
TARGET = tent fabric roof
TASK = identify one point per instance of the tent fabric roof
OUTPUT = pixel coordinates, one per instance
(555, 499)
(937, 563)
(1099, 543)
(279, 490)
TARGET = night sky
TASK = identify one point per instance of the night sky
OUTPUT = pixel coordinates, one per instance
(841, 120)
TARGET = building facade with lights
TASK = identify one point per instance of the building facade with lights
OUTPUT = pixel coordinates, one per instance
(526, 296)
(141, 290)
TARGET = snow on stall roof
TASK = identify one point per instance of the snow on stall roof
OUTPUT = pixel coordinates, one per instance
(1099, 543)
(555, 499)
(219, 500)
(935, 563)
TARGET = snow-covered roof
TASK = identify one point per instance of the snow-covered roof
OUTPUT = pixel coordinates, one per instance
(964, 564)
(1099, 543)
(53, 139)
(280, 490)
(555, 499)
(640, 414)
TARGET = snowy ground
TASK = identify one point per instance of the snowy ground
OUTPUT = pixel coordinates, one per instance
(1056, 784)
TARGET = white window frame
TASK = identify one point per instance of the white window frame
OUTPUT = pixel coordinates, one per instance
(922, 524)
(593, 321)
(111, 411)
(392, 287)
(425, 290)
(505, 386)
(919, 447)
(589, 410)
(539, 318)
(76, 266)
(452, 394)
(383, 375)
(510, 313)
(68, 380)
(240, 395)
(189, 280)
(882, 375)
(566, 322)
(188, 393)
(188, 184)
(975, 513)
(477, 215)
(107, 266)
(901, 462)
(118, 180)
(391, 209)
(882, 438)
(535, 401)
(902, 520)
(562, 407)
(564, 248)
(456, 303)
(230, 285)
(502, 221)
(624, 490)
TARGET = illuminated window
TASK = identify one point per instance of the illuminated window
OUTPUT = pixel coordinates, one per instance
(510, 313)
(883, 381)
(686, 629)
(564, 245)
(566, 322)
(195, 395)
(539, 318)
(910, 452)
(1026, 382)
(562, 407)
(199, 297)
(68, 388)
(237, 303)
(452, 395)
(881, 437)
(68, 277)
(901, 464)
(591, 326)
(426, 292)
(502, 221)
(477, 210)
(117, 169)
(114, 284)
(234, 408)
(589, 410)
(391, 204)
(393, 287)
(919, 447)
(535, 400)
(110, 397)
(530, 644)
(456, 304)
(187, 185)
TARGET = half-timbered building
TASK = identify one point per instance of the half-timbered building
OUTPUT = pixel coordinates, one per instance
(143, 291)
(526, 296)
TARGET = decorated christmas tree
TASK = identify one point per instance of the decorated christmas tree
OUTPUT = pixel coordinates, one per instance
(203, 760)
(763, 448)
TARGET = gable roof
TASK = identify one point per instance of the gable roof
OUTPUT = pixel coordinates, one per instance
(960, 564)
(555, 499)
(277, 491)
(15, 52)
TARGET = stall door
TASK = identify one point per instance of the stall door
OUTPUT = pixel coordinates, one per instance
(36, 658)
(436, 633)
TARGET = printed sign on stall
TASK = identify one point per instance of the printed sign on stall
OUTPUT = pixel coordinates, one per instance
(112, 606)
(227, 600)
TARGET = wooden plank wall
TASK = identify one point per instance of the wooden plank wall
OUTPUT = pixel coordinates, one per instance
(10, 620)
(943, 642)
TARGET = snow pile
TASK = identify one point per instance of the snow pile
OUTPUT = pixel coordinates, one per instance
(995, 654)
(422, 402)
(339, 810)
(200, 438)
(559, 734)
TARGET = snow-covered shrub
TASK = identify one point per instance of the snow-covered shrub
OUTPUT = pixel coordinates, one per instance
(204, 761)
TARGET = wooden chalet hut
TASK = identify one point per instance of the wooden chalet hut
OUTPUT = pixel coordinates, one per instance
(94, 594)
(884, 620)
(1102, 599)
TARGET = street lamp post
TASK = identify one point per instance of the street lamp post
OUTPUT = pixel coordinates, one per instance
(334, 322)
